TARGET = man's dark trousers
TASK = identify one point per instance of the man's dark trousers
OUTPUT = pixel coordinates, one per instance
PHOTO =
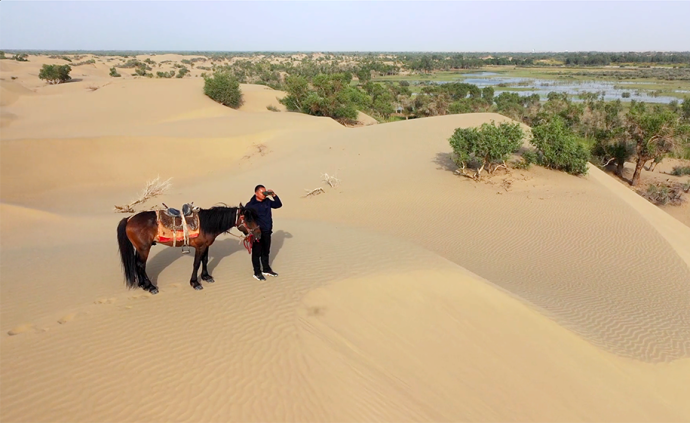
(260, 251)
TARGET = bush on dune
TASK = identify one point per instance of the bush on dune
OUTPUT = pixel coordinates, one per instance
(488, 147)
(224, 88)
(55, 74)
(559, 148)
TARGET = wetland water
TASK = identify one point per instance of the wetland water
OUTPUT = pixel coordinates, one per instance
(528, 86)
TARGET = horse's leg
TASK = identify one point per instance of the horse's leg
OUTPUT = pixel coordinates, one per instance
(204, 268)
(144, 281)
(200, 251)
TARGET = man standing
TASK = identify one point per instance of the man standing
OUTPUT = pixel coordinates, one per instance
(262, 248)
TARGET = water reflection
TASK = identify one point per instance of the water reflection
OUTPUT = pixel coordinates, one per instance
(528, 86)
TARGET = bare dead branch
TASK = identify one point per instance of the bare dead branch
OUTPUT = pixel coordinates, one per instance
(315, 191)
(330, 180)
(153, 188)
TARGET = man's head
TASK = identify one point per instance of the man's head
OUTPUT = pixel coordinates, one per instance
(259, 191)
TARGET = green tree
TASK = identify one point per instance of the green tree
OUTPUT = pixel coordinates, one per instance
(297, 88)
(654, 133)
(364, 75)
(224, 88)
(55, 74)
(489, 146)
(329, 95)
(685, 109)
(559, 148)
(488, 94)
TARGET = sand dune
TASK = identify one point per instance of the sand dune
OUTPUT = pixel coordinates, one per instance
(406, 293)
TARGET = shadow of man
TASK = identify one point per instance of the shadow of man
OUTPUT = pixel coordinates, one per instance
(277, 241)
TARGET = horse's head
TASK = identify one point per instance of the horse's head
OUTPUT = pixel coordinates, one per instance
(248, 221)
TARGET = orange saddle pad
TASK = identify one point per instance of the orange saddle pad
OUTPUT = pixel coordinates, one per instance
(169, 229)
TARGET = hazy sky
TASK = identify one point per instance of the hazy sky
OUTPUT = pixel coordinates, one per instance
(346, 26)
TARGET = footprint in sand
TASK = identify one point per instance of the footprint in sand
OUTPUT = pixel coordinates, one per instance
(141, 297)
(105, 301)
(67, 318)
(21, 329)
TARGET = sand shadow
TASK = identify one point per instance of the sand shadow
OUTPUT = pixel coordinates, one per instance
(221, 249)
(444, 161)
(218, 251)
(277, 241)
(156, 264)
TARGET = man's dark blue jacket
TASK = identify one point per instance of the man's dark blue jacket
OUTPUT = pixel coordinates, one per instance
(263, 209)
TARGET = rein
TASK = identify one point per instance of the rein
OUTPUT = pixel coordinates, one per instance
(247, 240)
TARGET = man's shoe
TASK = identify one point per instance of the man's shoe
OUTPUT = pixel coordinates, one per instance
(270, 273)
(259, 277)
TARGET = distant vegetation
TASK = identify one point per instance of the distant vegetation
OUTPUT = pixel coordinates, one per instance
(224, 88)
(55, 74)
(114, 73)
(85, 62)
(327, 95)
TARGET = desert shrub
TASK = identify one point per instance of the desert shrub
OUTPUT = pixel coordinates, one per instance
(328, 95)
(165, 74)
(681, 170)
(114, 73)
(85, 62)
(272, 108)
(55, 74)
(527, 159)
(487, 147)
(23, 57)
(662, 194)
(182, 72)
(559, 148)
(224, 88)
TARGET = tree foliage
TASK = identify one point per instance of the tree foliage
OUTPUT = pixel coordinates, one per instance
(488, 146)
(55, 74)
(654, 133)
(559, 148)
(224, 88)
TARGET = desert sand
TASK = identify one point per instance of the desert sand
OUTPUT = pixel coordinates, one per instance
(406, 292)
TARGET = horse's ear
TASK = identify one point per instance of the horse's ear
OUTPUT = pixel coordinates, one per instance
(241, 206)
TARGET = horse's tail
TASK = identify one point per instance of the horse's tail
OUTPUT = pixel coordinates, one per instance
(127, 254)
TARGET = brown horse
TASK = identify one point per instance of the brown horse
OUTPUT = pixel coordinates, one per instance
(136, 235)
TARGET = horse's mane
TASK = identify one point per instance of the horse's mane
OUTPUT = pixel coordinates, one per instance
(218, 219)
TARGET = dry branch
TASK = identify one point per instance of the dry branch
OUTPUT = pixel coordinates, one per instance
(153, 188)
(315, 191)
(330, 180)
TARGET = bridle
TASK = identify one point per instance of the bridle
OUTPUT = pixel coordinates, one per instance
(248, 239)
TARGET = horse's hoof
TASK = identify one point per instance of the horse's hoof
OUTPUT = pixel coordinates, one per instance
(153, 291)
(208, 279)
(197, 286)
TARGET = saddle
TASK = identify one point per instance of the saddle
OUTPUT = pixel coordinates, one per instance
(178, 226)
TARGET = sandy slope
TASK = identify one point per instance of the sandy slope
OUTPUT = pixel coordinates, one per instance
(406, 293)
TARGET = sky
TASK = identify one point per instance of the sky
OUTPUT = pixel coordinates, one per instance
(444, 26)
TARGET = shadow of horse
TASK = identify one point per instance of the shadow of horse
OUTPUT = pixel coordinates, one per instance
(218, 251)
